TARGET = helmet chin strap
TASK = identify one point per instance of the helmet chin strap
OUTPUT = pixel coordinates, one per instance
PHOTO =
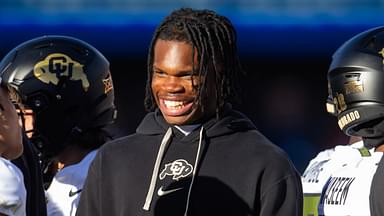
(373, 136)
(48, 151)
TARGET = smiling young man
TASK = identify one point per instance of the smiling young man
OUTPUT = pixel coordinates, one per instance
(192, 154)
(174, 84)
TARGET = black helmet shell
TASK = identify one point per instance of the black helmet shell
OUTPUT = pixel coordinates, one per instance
(66, 82)
(356, 77)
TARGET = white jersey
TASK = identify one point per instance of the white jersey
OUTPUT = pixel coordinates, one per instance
(63, 194)
(12, 190)
(338, 181)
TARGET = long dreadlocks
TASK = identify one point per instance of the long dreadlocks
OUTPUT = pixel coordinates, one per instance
(214, 38)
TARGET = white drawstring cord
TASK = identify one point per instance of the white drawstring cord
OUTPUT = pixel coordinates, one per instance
(155, 171)
(194, 170)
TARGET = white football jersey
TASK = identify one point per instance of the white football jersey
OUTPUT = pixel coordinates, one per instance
(63, 194)
(338, 181)
(12, 190)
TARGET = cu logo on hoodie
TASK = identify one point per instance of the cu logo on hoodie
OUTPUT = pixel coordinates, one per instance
(179, 168)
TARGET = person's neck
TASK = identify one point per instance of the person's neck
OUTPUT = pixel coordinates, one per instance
(354, 139)
(72, 154)
(380, 148)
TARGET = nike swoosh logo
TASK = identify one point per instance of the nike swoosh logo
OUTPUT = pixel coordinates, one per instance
(73, 193)
(162, 192)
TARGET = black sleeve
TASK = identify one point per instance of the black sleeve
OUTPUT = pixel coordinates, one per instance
(29, 164)
(281, 188)
(89, 203)
(284, 198)
(376, 196)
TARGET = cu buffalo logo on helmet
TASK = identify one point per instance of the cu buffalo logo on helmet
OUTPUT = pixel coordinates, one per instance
(177, 169)
(58, 65)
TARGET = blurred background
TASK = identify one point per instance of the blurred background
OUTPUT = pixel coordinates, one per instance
(285, 47)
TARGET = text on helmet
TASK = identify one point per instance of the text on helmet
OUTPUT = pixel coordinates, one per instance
(348, 118)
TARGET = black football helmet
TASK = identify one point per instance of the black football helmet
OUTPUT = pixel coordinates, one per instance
(66, 82)
(356, 82)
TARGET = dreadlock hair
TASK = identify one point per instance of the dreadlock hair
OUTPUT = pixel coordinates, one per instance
(214, 38)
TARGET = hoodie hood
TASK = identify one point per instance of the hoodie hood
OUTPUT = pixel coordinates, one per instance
(231, 121)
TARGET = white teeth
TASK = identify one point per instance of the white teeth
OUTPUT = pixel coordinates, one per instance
(173, 104)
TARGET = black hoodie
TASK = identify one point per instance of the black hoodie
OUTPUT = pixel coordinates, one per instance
(224, 167)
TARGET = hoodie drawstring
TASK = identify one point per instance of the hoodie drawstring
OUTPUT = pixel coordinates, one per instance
(155, 172)
(194, 170)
